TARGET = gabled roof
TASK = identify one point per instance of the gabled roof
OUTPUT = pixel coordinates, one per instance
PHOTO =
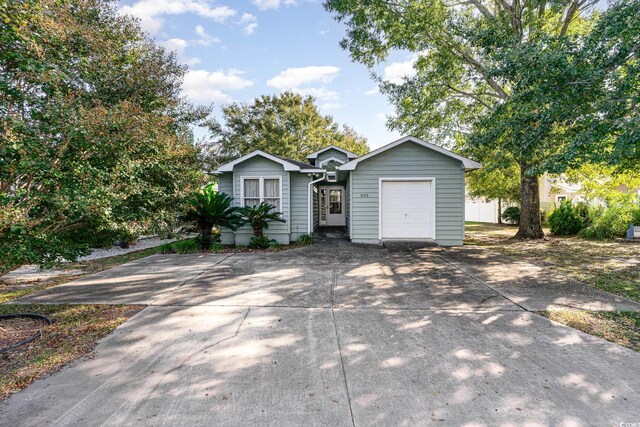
(287, 164)
(349, 154)
(467, 163)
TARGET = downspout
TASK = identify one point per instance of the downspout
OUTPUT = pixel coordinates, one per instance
(310, 202)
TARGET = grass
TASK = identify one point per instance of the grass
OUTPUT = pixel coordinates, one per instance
(612, 266)
(620, 327)
(75, 331)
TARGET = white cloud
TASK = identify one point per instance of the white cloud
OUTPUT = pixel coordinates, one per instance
(294, 77)
(178, 46)
(250, 23)
(272, 4)
(373, 91)
(331, 106)
(150, 11)
(205, 39)
(299, 80)
(318, 93)
(397, 72)
(204, 86)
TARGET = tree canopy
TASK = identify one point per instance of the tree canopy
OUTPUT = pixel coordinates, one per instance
(287, 125)
(524, 81)
(95, 138)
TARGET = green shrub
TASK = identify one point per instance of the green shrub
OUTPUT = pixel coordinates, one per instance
(305, 239)
(261, 242)
(544, 217)
(512, 215)
(209, 209)
(189, 246)
(608, 223)
(635, 216)
(273, 244)
(216, 247)
(167, 248)
(565, 220)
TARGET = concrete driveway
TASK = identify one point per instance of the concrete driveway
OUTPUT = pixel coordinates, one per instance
(337, 334)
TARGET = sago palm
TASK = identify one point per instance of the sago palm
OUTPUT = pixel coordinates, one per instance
(209, 209)
(259, 217)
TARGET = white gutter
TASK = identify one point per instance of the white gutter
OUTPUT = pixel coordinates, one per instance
(310, 202)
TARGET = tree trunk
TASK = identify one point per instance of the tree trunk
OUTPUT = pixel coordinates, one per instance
(205, 236)
(499, 211)
(257, 231)
(530, 225)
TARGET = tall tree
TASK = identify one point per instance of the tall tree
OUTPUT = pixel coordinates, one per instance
(94, 135)
(466, 62)
(601, 103)
(287, 125)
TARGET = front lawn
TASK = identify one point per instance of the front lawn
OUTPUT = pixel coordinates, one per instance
(620, 327)
(74, 332)
(613, 266)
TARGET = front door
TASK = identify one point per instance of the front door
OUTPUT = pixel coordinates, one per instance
(333, 206)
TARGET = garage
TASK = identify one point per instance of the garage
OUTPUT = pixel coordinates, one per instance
(407, 208)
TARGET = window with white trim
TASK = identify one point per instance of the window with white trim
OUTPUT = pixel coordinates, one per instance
(258, 189)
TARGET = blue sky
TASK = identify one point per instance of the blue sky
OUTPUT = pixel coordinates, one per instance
(239, 49)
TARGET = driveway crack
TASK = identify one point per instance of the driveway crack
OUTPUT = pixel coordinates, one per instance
(210, 346)
(481, 282)
(344, 372)
(197, 276)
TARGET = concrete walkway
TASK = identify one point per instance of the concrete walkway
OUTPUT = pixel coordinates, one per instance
(337, 334)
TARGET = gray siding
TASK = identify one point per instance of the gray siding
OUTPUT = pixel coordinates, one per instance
(347, 205)
(225, 185)
(331, 153)
(409, 160)
(299, 204)
(316, 213)
(259, 166)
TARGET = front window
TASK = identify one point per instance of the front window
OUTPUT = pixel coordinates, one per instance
(256, 190)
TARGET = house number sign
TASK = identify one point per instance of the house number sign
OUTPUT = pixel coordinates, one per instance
(364, 194)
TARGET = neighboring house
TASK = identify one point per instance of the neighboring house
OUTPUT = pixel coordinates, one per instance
(407, 190)
(555, 190)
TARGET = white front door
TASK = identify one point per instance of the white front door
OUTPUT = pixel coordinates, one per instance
(406, 210)
(333, 206)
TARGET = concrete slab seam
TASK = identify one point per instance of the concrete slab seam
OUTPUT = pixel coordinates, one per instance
(481, 282)
(344, 371)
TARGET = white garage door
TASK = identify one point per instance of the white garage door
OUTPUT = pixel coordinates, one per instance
(406, 211)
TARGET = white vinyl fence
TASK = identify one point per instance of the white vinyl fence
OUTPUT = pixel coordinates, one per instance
(481, 211)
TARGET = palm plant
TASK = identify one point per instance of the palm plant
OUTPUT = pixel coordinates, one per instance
(209, 209)
(259, 217)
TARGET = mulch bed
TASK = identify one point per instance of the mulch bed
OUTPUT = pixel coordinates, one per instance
(14, 330)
